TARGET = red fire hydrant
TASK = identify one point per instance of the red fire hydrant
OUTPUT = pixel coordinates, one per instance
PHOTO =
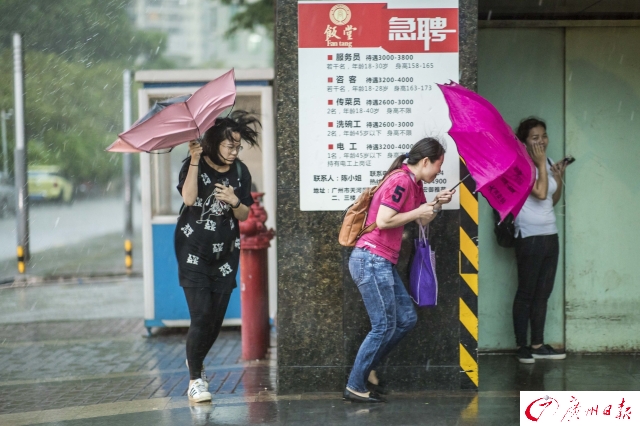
(254, 292)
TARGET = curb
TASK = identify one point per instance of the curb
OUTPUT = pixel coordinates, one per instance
(36, 280)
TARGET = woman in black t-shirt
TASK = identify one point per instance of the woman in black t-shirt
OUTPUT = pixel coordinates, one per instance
(216, 188)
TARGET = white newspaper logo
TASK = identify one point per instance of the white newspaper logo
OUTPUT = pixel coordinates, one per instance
(193, 259)
(217, 248)
(237, 242)
(210, 225)
(198, 202)
(205, 179)
(427, 29)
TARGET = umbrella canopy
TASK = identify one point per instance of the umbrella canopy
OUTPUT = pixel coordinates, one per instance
(496, 159)
(121, 146)
(177, 120)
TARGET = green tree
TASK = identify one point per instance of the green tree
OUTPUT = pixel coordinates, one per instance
(252, 14)
(78, 30)
(72, 112)
(75, 53)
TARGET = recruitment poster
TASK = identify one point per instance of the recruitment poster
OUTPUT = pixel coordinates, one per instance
(367, 92)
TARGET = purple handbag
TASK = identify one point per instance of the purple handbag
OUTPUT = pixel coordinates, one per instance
(423, 283)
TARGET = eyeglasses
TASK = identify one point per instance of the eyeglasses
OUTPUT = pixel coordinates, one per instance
(233, 149)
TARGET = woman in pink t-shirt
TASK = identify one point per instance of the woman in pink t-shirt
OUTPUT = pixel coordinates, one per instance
(372, 264)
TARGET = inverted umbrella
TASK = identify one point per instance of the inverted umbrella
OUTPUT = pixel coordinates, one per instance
(496, 159)
(121, 146)
(177, 120)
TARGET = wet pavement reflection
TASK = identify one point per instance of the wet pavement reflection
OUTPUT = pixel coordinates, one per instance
(103, 372)
(310, 410)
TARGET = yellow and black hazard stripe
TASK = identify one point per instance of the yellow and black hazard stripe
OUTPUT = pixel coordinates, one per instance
(128, 257)
(22, 265)
(468, 267)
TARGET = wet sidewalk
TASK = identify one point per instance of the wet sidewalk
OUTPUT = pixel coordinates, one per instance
(64, 366)
(90, 366)
(104, 372)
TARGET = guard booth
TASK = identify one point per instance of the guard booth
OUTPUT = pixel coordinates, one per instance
(164, 301)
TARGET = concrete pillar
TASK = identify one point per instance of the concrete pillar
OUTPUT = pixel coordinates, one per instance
(321, 318)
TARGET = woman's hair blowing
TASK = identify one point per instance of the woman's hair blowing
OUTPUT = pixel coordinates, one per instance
(241, 122)
(430, 148)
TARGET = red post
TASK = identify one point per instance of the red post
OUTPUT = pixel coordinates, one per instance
(254, 292)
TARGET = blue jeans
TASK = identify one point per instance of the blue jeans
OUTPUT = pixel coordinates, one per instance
(389, 307)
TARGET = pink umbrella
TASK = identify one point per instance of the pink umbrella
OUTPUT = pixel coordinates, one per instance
(179, 120)
(496, 159)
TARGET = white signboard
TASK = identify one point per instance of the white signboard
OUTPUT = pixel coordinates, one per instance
(367, 87)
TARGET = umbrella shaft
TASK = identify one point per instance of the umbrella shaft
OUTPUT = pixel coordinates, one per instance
(462, 180)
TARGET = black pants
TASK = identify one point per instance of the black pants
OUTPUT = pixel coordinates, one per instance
(207, 311)
(537, 259)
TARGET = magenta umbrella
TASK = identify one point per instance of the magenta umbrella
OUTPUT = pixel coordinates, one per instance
(179, 120)
(496, 159)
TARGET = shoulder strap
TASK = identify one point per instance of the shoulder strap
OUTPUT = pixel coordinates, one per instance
(239, 169)
(393, 172)
(368, 229)
(374, 224)
(549, 161)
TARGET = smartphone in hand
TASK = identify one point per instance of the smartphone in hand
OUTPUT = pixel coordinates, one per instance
(568, 159)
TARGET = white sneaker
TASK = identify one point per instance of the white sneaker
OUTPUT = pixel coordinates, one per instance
(203, 375)
(198, 392)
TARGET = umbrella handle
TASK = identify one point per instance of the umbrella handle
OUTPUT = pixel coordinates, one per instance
(457, 185)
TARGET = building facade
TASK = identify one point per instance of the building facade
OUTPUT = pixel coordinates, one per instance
(196, 34)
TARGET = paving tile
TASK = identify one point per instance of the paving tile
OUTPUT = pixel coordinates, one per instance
(104, 372)
(62, 362)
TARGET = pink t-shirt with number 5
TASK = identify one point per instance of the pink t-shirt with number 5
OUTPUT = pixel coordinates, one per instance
(401, 193)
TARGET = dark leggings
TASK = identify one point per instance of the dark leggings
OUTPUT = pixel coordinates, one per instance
(537, 259)
(207, 311)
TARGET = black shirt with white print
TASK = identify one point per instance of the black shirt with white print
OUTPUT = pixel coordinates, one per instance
(207, 237)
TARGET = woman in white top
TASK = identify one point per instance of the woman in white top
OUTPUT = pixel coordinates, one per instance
(536, 245)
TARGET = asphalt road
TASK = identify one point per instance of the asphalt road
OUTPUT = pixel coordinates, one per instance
(56, 225)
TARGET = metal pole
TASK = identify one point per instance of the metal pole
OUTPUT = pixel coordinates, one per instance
(128, 184)
(20, 155)
(4, 116)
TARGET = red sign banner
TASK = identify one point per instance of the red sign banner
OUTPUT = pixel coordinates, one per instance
(351, 25)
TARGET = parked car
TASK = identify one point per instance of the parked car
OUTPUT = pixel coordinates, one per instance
(48, 183)
(7, 197)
